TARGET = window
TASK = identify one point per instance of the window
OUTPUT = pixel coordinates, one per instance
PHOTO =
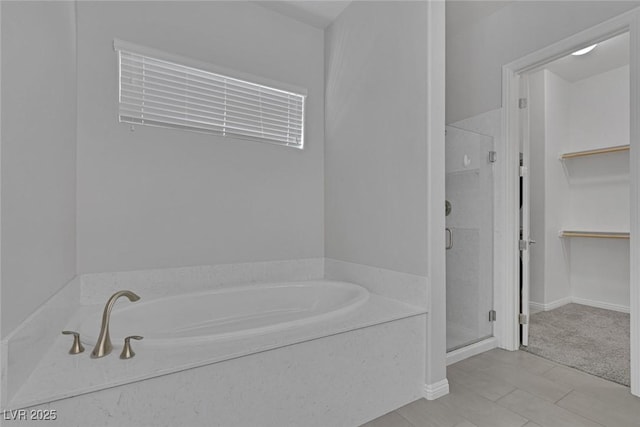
(157, 89)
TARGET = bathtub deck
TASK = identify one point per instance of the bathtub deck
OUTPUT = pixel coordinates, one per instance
(60, 375)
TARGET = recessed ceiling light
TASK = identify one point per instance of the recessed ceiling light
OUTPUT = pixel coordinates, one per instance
(584, 50)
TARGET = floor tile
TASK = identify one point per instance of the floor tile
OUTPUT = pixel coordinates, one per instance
(527, 361)
(392, 419)
(533, 383)
(480, 410)
(515, 389)
(607, 392)
(543, 412)
(594, 409)
(432, 413)
(474, 364)
(482, 383)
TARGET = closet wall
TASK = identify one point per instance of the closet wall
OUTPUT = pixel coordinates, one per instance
(589, 193)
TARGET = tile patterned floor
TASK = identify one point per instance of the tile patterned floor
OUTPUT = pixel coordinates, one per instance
(514, 389)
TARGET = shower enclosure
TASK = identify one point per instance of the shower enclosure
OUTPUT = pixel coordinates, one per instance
(469, 237)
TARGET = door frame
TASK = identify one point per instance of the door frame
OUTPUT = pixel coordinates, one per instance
(524, 223)
(508, 299)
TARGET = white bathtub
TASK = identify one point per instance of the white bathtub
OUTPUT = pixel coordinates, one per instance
(227, 313)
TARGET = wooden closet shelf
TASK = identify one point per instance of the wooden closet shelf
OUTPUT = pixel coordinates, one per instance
(595, 234)
(593, 152)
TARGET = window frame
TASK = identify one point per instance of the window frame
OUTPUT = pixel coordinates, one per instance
(245, 78)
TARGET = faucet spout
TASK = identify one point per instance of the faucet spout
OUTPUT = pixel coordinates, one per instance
(103, 346)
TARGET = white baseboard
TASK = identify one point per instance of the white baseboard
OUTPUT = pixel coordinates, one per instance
(436, 390)
(559, 303)
(600, 304)
(537, 306)
(471, 350)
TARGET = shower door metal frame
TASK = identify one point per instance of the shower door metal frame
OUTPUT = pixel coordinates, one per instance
(508, 301)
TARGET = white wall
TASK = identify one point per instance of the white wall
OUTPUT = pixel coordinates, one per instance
(38, 154)
(157, 198)
(600, 111)
(558, 125)
(384, 152)
(376, 152)
(599, 188)
(590, 193)
(600, 118)
(537, 185)
(477, 52)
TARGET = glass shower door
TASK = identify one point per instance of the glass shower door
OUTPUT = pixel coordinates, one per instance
(469, 222)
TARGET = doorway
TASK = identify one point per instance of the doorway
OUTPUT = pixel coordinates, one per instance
(514, 74)
(575, 210)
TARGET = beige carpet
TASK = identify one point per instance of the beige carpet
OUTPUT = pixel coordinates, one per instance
(590, 339)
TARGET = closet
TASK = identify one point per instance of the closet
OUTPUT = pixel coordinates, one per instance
(579, 210)
(580, 181)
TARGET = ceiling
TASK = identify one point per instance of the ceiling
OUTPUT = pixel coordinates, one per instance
(460, 14)
(608, 55)
(319, 14)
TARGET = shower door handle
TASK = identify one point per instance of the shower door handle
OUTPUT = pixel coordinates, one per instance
(449, 238)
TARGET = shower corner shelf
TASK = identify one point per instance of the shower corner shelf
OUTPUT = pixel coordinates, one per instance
(605, 150)
(594, 234)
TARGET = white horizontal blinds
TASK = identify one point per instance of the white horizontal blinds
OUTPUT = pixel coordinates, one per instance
(162, 93)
